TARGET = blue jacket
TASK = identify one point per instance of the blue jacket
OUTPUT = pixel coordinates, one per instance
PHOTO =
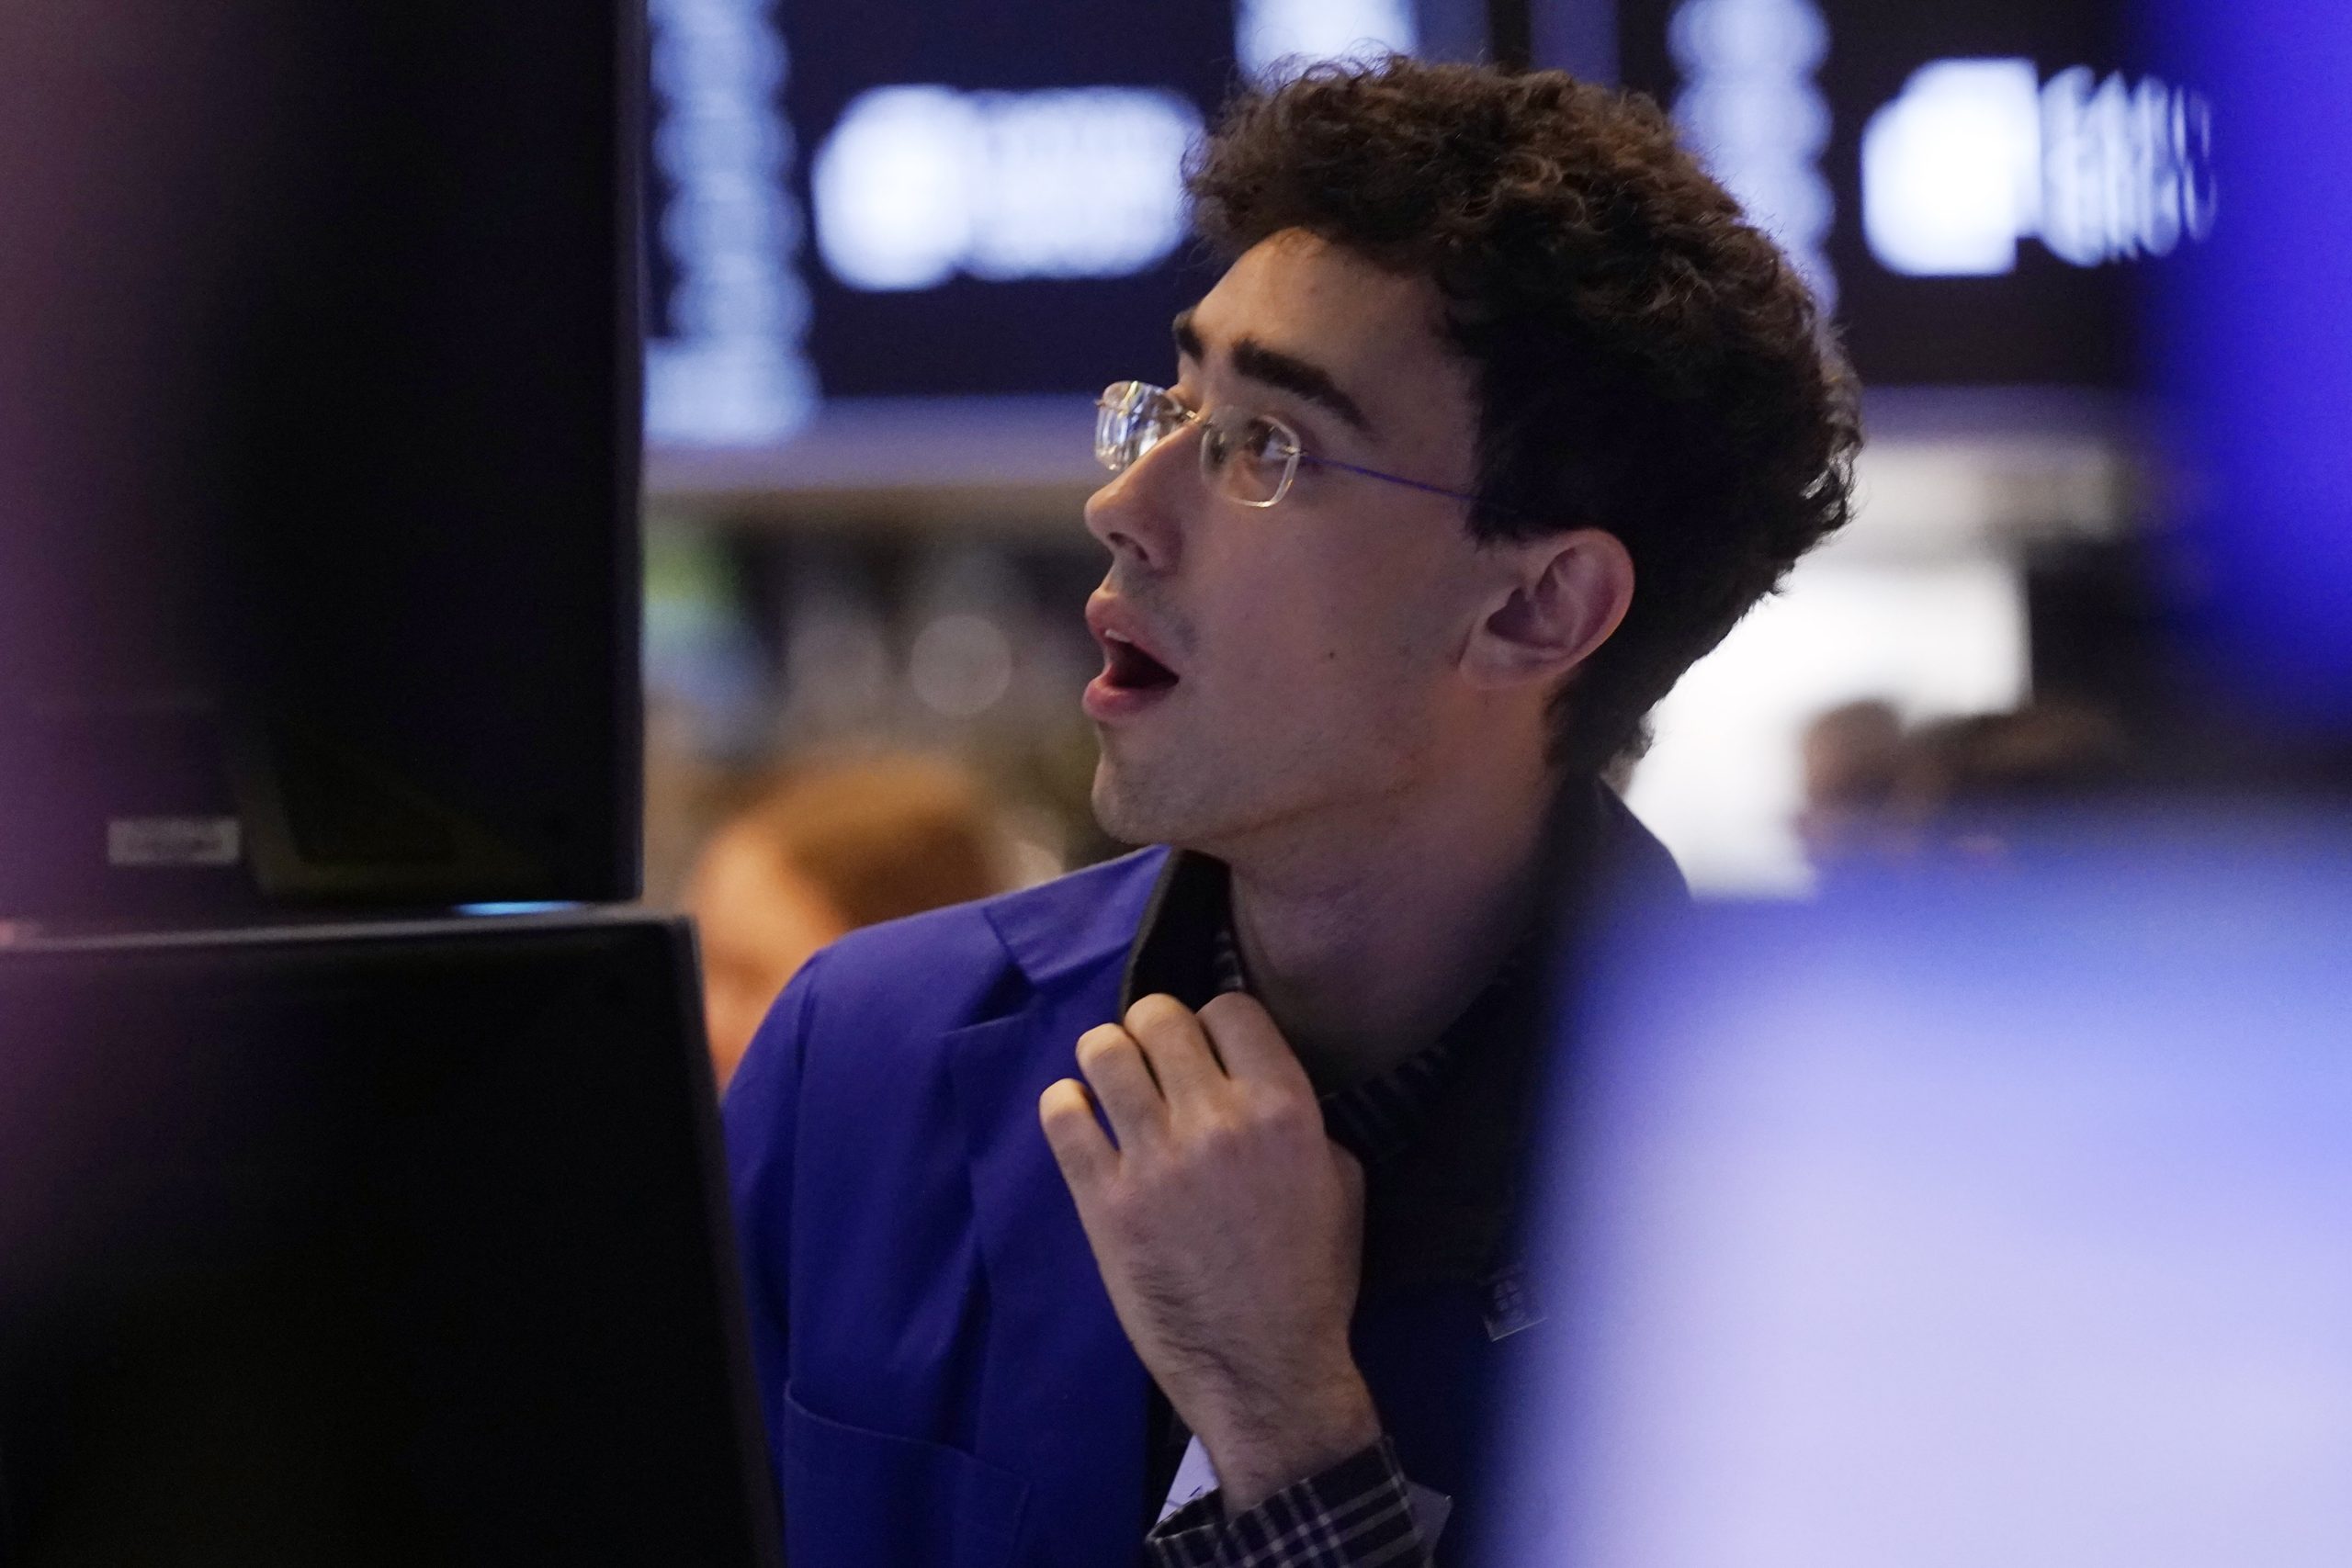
(943, 1377)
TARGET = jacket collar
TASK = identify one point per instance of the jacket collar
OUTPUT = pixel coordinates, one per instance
(1065, 926)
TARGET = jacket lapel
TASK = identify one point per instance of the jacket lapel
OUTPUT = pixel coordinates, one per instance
(1062, 1396)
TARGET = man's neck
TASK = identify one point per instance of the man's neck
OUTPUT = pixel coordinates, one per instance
(1365, 943)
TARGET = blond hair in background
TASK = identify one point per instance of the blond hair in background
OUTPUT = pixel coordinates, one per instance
(818, 852)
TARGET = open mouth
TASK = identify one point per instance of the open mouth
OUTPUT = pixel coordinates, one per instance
(1129, 668)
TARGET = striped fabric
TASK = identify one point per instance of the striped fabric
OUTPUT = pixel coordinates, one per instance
(1357, 1514)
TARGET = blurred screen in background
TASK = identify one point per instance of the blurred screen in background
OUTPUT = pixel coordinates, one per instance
(1965, 185)
(2087, 258)
(946, 198)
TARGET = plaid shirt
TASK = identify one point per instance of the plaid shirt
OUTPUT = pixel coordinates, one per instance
(1358, 1514)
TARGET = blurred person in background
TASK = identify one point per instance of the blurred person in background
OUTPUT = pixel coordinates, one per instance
(1170, 1208)
(1881, 796)
(1851, 760)
(1966, 786)
(820, 853)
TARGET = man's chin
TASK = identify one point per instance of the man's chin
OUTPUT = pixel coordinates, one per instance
(1114, 810)
(1134, 809)
(1129, 810)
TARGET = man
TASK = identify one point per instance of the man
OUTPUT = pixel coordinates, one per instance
(1193, 1173)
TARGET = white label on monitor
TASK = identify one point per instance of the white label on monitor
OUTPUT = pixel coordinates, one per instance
(173, 841)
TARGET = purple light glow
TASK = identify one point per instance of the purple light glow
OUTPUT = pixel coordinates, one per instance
(2004, 1223)
(2253, 344)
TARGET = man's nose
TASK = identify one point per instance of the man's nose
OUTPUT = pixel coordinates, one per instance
(1140, 513)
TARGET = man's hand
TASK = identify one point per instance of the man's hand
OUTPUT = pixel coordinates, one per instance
(1229, 1230)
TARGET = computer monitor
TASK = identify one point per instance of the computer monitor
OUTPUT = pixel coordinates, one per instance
(319, 434)
(395, 1245)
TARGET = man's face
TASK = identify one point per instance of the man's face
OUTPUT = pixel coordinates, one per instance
(1313, 643)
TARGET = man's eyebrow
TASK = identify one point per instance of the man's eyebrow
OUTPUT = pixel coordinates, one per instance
(1297, 377)
(1275, 369)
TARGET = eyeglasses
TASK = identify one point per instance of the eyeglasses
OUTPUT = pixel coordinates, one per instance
(1250, 459)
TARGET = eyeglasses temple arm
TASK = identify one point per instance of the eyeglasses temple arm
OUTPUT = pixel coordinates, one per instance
(1392, 478)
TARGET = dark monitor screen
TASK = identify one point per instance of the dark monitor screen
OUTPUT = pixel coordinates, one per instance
(318, 422)
(369, 1246)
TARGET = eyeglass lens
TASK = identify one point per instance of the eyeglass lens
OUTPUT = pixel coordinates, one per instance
(1250, 459)
(1128, 421)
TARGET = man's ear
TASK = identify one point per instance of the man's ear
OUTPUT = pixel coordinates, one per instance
(1562, 596)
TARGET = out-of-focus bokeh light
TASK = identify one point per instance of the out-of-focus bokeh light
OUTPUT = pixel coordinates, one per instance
(918, 183)
(1269, 33)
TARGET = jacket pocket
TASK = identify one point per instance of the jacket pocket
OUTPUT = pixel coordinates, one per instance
(857, 1498)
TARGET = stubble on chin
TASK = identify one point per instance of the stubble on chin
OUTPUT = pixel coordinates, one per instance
(1116, 811)
(1135, 808)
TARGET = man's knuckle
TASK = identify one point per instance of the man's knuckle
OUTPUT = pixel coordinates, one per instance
(1155, 1011)
(1098, 1045)
(1230, 1007)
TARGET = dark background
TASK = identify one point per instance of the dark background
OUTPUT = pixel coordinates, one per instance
(2045, 323)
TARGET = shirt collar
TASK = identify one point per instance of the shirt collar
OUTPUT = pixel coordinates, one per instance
(1186, 948)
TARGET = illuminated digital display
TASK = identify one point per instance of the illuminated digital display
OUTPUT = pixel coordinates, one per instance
(724, 362)
(1976, 154)
(1987, 1217)
(948, 197)
(1747, 95)
(1973, 189)
(917, 185)
(1269, 31)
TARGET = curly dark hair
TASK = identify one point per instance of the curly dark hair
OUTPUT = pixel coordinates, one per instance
(1647, 362)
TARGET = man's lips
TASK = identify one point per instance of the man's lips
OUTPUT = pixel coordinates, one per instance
(1135, 673)
(1132, 655)
(1126, 664)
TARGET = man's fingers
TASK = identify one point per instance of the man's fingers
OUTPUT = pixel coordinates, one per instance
(1251, 1045)
(1174, 1042)
(1113, 1066)
(1067, 1113)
